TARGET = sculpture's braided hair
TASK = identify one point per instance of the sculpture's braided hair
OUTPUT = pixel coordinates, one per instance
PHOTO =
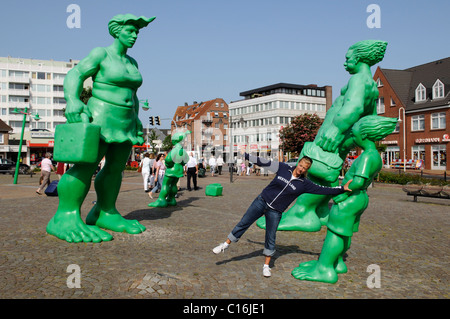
(370, 51)
(374, 127)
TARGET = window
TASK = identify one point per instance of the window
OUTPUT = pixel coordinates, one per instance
(397, 128)
(438, 120)
(420, 93)
(418, 122)
(380, 105)
(379, 83)
(438, 89)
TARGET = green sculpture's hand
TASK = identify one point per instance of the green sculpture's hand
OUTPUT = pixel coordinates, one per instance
(330, 139)
(76, 111)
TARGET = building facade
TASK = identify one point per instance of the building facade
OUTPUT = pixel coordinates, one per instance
(35, 85)
(420, 98)
(208, 124)
(257, 119)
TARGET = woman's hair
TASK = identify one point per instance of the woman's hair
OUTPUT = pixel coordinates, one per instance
(118, 21)
(159, 156)
(307, 159)
(374, 127)
(369, 51)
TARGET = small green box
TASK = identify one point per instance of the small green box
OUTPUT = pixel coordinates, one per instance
(214, 189)
(76, 143)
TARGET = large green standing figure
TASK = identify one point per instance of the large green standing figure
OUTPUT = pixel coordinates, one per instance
(114, 108)
(333, 142)
(345, 214)
(175, 161)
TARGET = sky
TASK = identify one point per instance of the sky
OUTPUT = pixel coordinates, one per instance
(198, 50)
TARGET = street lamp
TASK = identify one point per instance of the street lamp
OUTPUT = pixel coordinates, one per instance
(145, 104)
(402, 109)
(35, 117)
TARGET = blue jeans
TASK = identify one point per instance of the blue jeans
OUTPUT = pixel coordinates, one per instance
(258, 208)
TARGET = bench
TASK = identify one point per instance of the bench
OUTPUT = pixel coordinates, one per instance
(427, 190)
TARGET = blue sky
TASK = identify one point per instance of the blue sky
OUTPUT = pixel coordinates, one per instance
(197, 50)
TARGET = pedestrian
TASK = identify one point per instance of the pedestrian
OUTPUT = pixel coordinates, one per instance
(152, 171)
(159, 174)
(243, 169)
(46, 168)
(191, 169)
(219, 164)
(286, 186)
(145, 170)
(238, 166)
(212, 165)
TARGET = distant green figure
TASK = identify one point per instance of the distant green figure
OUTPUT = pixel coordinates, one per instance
(175, 161)
(345, 214)
(332, 143)
(114, 107)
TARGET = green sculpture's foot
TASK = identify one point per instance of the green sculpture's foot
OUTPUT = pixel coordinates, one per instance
(69, 227)
(159, 203)
(172, 202)
(313, 271)
(341, 267)
(113, 221)
(292, 221)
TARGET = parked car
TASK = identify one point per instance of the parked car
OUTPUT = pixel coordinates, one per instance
(292, 162)
(8, 166)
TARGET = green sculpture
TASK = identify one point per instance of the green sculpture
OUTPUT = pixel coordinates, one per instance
(333, 142)
(175, 161)
(345, 214)
(113, 108)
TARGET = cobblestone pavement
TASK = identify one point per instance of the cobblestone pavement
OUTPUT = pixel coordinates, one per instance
(173, 258)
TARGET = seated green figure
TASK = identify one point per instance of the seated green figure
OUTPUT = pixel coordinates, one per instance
(345, 214)
(332, 143)
(175, 161)
(114, 108)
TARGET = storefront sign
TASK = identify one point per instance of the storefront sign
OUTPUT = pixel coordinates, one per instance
(389, 142)
(446, 138)
(428, 140)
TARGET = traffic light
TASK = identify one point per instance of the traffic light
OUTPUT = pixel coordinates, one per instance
(151, 120)
(157, 120)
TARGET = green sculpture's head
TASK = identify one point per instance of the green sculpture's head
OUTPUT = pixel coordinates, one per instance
(126, 27)
(372, 128)
(179, 136)
(369, 51)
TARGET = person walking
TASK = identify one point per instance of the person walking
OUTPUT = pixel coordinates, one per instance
(212, 165)
(46, 168)
(219, 164)
(286, 186)
(146, 170)
(191, 172)
(159, 174)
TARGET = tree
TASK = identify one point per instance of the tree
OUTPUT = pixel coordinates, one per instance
(167, 143)
(303, 128)
(152, 136)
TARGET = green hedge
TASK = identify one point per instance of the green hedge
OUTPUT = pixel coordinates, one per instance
(403, 179)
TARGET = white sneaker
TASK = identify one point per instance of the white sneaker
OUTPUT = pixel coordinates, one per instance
(221, 248)
(266, 271)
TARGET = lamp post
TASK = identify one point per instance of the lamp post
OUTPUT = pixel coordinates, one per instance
(25, 113)
(145, 104)
(402, 110)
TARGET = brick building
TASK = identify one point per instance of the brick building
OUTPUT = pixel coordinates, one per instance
(208, 123)
(421, 94)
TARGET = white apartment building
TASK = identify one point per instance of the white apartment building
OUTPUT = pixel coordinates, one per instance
(257, 119)
(38, 86)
